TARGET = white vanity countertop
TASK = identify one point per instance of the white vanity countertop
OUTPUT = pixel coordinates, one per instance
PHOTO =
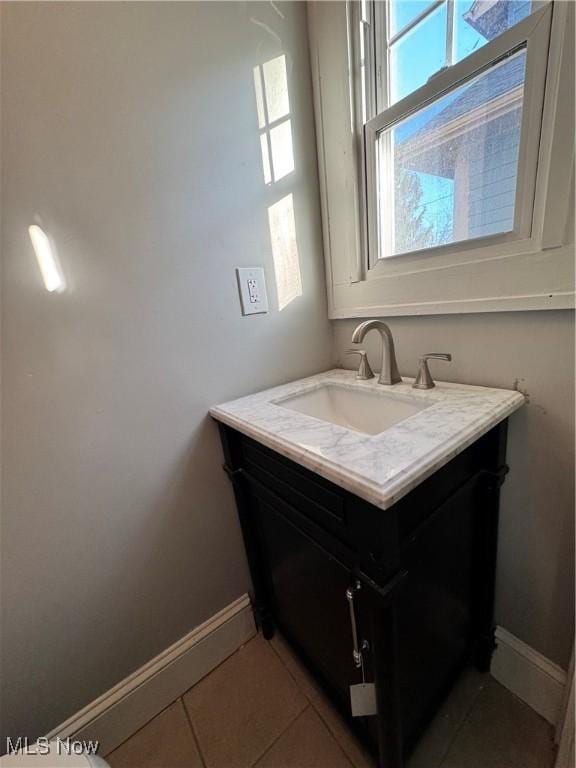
(379, 468)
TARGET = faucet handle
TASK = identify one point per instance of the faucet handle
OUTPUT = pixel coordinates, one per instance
(437, 355)
(423, 378)
(364, 370)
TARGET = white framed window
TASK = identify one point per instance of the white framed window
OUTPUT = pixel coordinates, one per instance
(452, 118)
(449, 188)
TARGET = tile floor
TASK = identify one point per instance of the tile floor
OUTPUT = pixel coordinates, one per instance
(260, 708)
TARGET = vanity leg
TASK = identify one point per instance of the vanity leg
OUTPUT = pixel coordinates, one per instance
(486, 549)
(485, 635)
(266, 624)
(260, 601)
(385, 664)
(249, 534)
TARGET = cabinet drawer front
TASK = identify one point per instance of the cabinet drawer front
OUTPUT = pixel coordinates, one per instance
(297, 486)
(367, 531)
(310, 527)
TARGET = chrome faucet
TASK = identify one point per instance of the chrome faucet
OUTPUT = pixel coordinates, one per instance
(423, 378)
(364, 370)
(389, 368)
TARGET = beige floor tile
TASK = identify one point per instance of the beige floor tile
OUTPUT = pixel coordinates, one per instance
(165, 742)
(501, 732)
(262, 706)
(304, 680)
(436, 740)
(306, 744)
(356, 753)
(242, 707)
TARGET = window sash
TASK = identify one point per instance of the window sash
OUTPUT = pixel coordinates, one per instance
(382, 27)
(532, 33)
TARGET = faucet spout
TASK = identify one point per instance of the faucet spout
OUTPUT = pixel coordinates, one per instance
(389, 373)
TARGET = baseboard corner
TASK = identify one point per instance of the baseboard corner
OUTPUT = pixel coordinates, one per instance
(529, 675)
(117, 714)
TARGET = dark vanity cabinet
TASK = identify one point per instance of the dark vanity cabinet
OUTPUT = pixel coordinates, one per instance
(399, 598)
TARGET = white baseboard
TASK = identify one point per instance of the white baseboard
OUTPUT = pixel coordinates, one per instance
(566, 757)
(529, 675)
(119, 712)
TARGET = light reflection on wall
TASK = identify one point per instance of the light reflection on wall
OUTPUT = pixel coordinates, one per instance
(47, 259)
(275, 124)
(273, 107)
(282, 152)
(285, 251)
(276, 88)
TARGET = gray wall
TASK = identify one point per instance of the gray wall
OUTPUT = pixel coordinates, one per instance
(130, 131)
(533, 351)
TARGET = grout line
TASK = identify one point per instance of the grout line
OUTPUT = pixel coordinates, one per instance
(335, 736)
(461, 725)
(290, 724)
(192, 730)
(315, 708)
(294, 719)
(141, 728)
(221, 663)
(182, 698)
(292, 675)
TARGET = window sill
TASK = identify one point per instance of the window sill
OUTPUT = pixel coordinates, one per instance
(493, 285)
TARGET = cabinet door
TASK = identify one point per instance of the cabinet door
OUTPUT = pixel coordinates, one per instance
(308, 595)
(434, 615)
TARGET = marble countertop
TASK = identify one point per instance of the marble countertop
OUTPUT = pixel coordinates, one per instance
(379, 468)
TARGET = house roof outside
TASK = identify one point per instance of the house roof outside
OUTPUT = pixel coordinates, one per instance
(482, 97)
(504, 77)
(492, 17)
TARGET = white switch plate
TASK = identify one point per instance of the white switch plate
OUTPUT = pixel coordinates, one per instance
(252, 287)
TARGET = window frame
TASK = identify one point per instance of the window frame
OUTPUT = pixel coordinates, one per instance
(515, 276)
(383, 42)
(533, 34)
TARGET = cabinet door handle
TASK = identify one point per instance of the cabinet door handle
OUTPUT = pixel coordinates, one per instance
(356, 652)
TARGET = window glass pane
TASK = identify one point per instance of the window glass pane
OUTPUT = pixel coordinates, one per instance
(448, 172)
(478, 22)
(364, 11)
(418, 55)
(402, 12)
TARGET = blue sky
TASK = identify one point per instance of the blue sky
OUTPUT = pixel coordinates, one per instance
(422, 52)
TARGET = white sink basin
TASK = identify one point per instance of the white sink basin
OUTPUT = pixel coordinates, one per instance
(395, 436)
(361, 410)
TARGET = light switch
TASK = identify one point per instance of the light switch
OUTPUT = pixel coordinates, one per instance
(252, 287)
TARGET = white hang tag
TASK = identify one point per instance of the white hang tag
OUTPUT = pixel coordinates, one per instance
(363, 699)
